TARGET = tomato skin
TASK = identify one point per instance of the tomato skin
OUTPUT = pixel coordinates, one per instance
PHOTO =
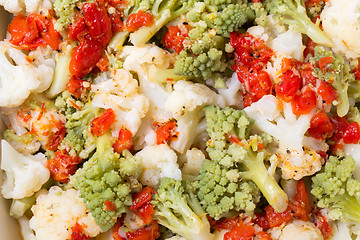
(35, 30)
(147, 233)
(287, 88)
(62, 166)
(240, 232)
(352, 133)
(275, 219)
(109, 205)
(77, 232)
(306, 73)
(56, 138)
(118, 224)
(324, 62)
(85, 56)
(320, 126)
(139, 19)
(98, 22)
(101, 124)
(78, 29)
(261, 220)
(327, 92)
(321, 222)
(309, 48)
(124, 141)
(75, 86)
(173, 39)
(304, 103)
(142, 197)
(165, 132)
(263, 235)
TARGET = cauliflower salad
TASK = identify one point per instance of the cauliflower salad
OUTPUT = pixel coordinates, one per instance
(182, 119)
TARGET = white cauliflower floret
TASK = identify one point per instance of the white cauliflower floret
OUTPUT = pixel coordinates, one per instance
(57, 211)
(25, 175)
(297, 230)
(296, 161)
(289, 44)
(22, 74)
(340, 21)
(345, 231)
(232, 92)
(22, 6)
(26, 232)
(120, 94)
(193, 161)
(159, 161)
(187, 96)
(185, 104)
(140, 58)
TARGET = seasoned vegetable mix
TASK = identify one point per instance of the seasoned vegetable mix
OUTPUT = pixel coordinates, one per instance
(190, 119)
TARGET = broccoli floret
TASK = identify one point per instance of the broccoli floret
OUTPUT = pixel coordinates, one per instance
(105, 178)
(203, 57)
(162, 11)
(220, 190)
(336, 189)
(237, 157)
(337, 73)
(293, 13)
(65, 12)
(78, 140)
(180, 211)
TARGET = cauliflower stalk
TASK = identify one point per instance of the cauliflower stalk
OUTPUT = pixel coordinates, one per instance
(19, 78)
(57, 211)
(296, 160)
(25, 174)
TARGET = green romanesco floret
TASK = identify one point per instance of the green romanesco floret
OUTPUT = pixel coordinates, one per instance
(221, 191)
(65, 13)
(106, 177)
(78, 140)
(239, 158)
(179, 210)
(162, 11)
(292, 14)
(222, 16)
(337, 73)
(336, 189)
(204, 57)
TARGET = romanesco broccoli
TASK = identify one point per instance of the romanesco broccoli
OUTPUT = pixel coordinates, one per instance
(239, 157)
(162, 11)
(336, 189)
(65, 12)
(293, 13)
(180, 211)
(105, 180)
(337, 73)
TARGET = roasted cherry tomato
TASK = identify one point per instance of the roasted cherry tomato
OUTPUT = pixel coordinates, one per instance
(101, 124)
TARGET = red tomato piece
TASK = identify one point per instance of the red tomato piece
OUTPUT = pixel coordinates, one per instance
(35, 30)
(141, 198)
(109, 205)
(124, 141)
(275, 219)
(287, 88)
(118, 224)
(85, 56)
(240, 232)
(352, 133)
(263, 236)
(103, 63)
(78, 29)
(321, 222)
(75, 86)
(174, 39)
(139, 19)
(356, 70)
(165, 132)
(324, 62)
(77, 232)
(227, 223)
(147, 233)
(260, 84)
(55, 139)
(306, 73)
(304, 103)
(146, 213)
(309, 47)
(289, 64)
(320, 126)
(98, 22)
(62, 166)
(101, 124)
(327, 92)
(261, 220)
